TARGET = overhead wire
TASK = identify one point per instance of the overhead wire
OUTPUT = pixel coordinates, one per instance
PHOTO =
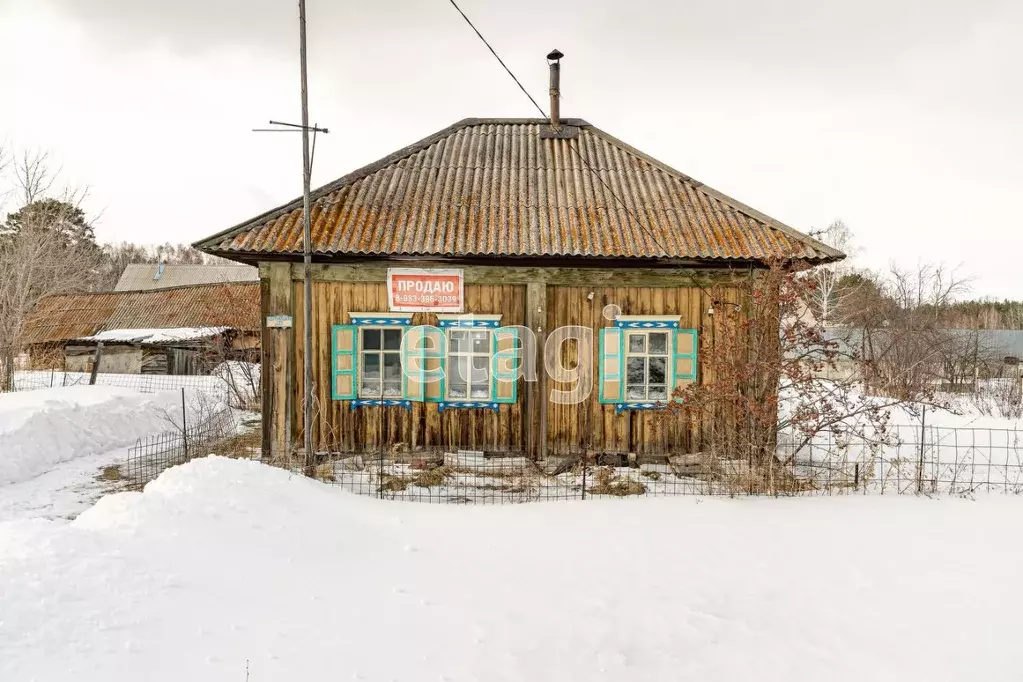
(571, 147)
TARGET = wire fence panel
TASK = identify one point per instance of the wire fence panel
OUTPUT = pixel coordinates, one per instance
(236, 383)
(151, 456)
(913, 460)
(920, 459)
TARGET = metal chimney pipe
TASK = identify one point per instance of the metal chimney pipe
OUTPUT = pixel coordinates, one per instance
(554, 61)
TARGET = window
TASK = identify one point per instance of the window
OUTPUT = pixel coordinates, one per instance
(468, 371)
(380, 362)
(646, 365)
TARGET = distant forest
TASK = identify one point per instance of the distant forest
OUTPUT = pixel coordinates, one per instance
(865, 299)
(985, 314)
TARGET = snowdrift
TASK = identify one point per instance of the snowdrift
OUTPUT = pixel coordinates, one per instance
(39, 429)
(222, 562)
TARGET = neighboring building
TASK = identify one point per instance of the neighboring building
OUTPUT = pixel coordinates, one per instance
(1006, 345)
(185, 330)
(144, 277)
(968, 353)
(514, 223)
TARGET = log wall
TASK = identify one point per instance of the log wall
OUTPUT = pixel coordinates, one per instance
(541, 299)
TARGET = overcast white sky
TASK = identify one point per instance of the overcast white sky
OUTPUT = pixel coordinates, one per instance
(902, 117)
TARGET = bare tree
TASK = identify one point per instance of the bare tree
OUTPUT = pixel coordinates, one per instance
(761, 384)
(46, 247)
(826, 295)
(904, 333)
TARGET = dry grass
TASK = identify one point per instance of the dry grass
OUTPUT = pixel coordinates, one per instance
(605, 483)
(772, 478)
(393, 484)
(110, 473)
(242, 446)
(324, 472)
(431, 478)
(652, 475)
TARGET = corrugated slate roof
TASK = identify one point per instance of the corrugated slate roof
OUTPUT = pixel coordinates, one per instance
(146, 276)
(74, 316)
(506, 188)
(990, 342)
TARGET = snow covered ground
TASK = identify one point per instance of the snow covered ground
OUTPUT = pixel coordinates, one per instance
(63, 492)
(221, 564)
(40, 429)
(962, 449)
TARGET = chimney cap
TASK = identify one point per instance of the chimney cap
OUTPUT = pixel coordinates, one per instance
(554, 55)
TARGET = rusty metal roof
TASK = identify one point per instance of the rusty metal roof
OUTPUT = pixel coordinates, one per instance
(499, 188)
(73, 316)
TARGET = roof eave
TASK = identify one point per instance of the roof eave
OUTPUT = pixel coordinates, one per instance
(625, 262)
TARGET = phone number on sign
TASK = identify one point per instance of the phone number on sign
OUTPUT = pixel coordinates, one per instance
(425, 299)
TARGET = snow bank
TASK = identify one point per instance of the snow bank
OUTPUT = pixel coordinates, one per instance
(39, 429)
(220, 562)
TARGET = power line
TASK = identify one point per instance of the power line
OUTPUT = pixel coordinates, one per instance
(581, 158)
(497, 57)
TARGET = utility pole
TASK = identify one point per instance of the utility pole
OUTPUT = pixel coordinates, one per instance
(308, 155)
(307, 255)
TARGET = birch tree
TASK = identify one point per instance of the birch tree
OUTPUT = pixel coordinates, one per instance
(826, 295)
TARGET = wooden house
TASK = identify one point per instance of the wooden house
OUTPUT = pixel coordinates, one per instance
(181, 330)
(469, 237)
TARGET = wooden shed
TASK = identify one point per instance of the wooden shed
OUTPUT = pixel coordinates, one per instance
(178, 330)
(432, 266)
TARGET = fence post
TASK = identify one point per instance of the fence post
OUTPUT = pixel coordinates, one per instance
(95, 363)
(856, 480)
(184, 422)
(380, 451)
(52, 372)
(923, 439)
(585, 458)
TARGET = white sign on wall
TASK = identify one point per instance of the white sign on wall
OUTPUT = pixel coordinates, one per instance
(278, 322)
(411, 290)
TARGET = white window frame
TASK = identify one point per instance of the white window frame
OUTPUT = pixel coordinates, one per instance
(381, 352)
(451, 361)
(646, 354)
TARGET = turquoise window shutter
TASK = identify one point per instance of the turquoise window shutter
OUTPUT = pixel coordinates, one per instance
(684, 365)
(433, 375)
(344, 366)
(413, 364)
(612, 363)
(506, 358)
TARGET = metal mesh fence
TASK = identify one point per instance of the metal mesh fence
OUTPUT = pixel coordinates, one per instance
(920, 459)
(238, 385)
(151, 456)
(915, 460)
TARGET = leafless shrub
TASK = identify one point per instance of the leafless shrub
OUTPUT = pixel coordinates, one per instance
(1001, 398)
(751, 366)
(904, 333)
